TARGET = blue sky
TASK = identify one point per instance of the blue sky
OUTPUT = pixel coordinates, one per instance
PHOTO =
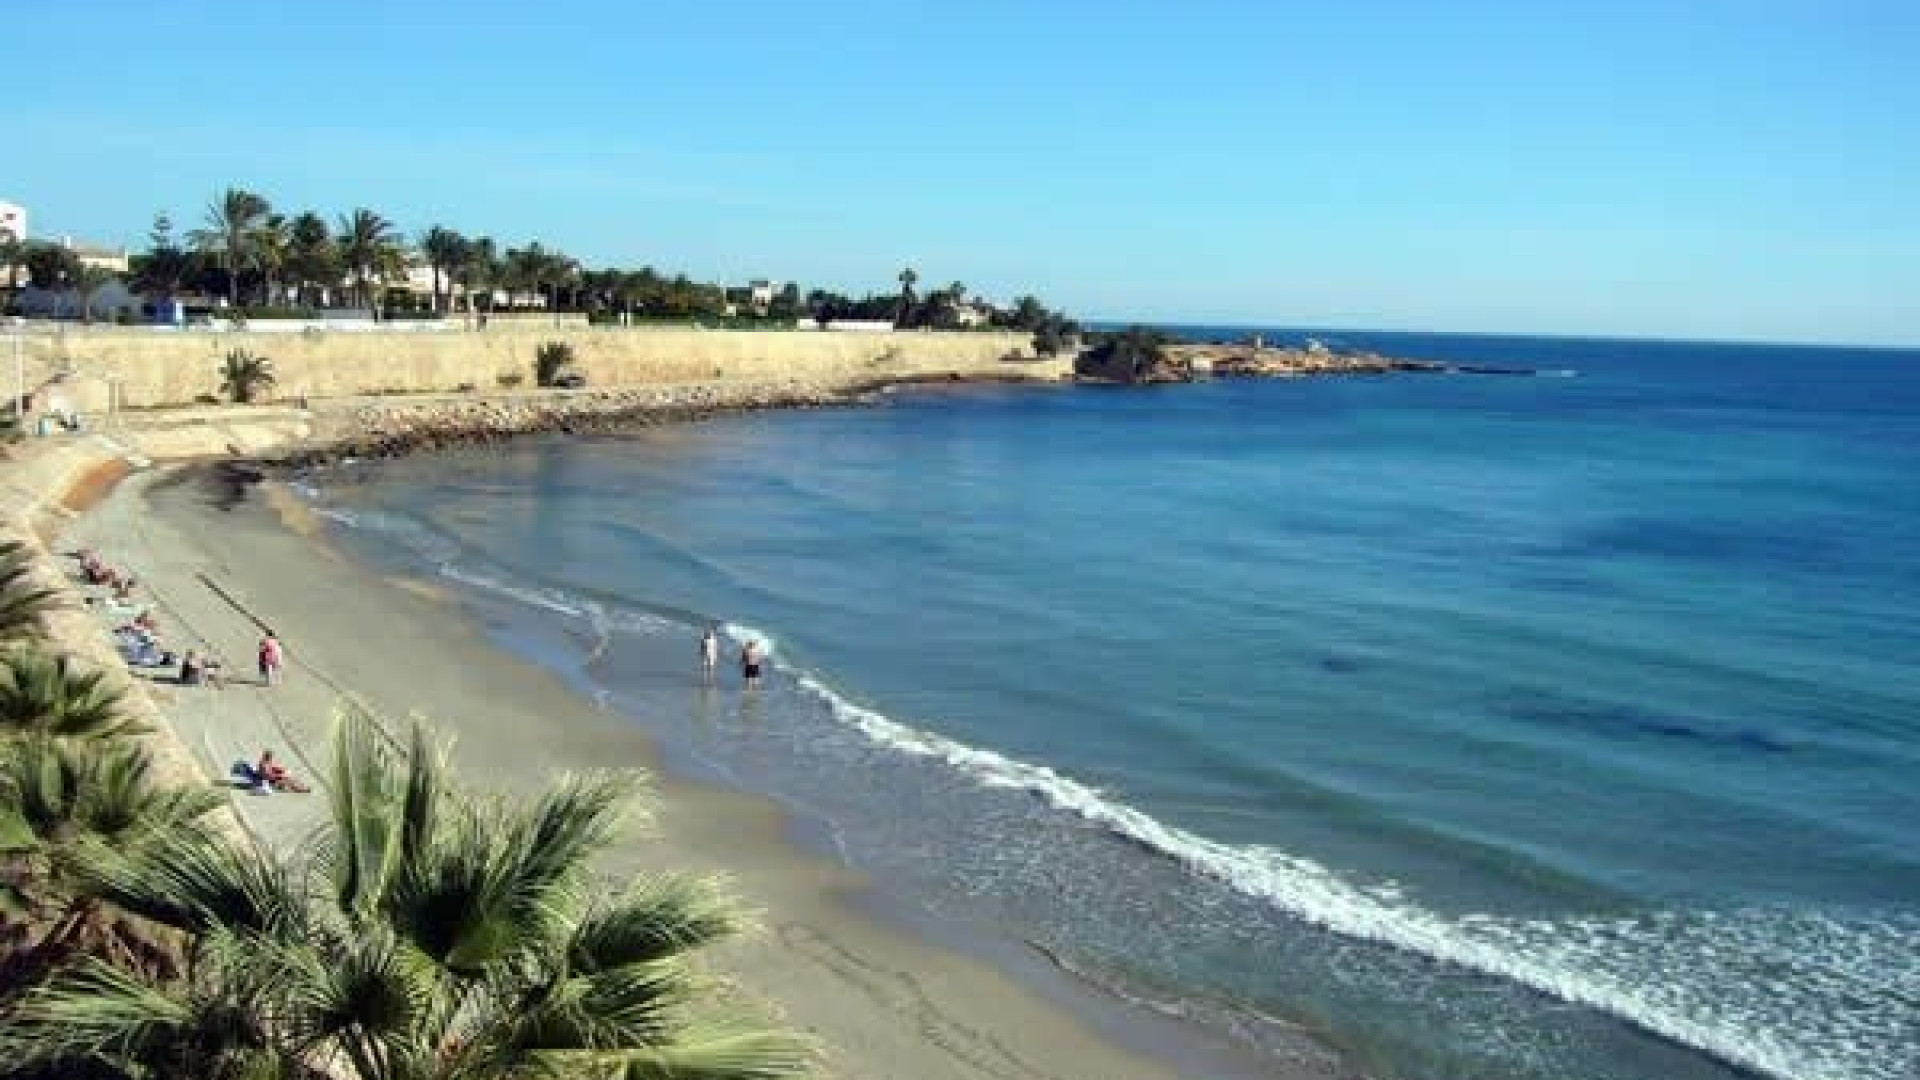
(1706, 169)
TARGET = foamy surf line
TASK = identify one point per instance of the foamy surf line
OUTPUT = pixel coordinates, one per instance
(1682, 998)
(1569, 960)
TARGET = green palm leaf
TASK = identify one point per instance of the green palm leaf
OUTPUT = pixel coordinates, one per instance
(724, 1050)
(44, 693)
(665, 916)
(201, 882)
(24, 602)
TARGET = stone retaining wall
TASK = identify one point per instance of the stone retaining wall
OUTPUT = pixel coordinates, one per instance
(149, 370)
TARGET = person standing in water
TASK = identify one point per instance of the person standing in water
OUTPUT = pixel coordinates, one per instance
(710, 650)
(750, 662)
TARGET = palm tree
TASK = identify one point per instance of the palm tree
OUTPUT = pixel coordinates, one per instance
(907, 279)
(43, 693)
(479, 270)
(272, 251)
(313, 258)
(60, 802)
(242, 375)
(549, 360)
(443, 248)
(228, 235)
(24, 602)
(366, 243)
(429, 934)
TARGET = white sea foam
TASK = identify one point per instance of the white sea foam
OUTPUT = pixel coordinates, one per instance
(1697, 979)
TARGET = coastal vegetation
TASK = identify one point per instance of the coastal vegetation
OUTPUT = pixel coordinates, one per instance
(549, 360)
(262, 260)
(429, 931)
(1135, 355)
(244, 374)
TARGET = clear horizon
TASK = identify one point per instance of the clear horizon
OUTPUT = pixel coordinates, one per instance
(1738, 171)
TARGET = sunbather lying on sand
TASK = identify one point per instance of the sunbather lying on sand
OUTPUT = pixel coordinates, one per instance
(275, 775)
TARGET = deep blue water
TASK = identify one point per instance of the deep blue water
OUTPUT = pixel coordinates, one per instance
(1483, 727)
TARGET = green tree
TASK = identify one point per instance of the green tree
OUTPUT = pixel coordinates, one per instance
(551, 358)
(480, 270)
(228, 234)
(45, 694)
(25, 601)
(1137, 354)
(903, 314)
(165, 264)
(51, 266)
(243, 375)
(429, 934)
(88, 280)
(61, 802)
(313, 260)
(272, 252)
(366, 243)
(13, 256)
(444, 249)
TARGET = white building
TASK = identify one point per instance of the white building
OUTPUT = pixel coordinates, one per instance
(13, 221)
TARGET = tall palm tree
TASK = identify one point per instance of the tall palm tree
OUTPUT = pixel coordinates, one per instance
(479, 270)
(905, 309)
(272, 252)
(430, 934)
(24, 601)
(44, 693)
(366, 242)
(313, 258)
(443, 248)
(228, 235)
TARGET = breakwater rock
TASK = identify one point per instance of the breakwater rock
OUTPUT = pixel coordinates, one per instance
(370, 428)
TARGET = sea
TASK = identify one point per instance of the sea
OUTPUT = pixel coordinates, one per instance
(1485, 727)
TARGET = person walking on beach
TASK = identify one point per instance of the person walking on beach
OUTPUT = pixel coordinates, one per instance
(710, 650)
(270, 659)
(750, 663)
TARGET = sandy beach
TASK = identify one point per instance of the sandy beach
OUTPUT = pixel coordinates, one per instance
(886, 1002)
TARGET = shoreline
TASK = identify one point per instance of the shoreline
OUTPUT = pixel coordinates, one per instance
(889, 998)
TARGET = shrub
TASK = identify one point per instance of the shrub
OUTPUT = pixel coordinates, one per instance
(510, 379)
(549, 359)
(244, 375)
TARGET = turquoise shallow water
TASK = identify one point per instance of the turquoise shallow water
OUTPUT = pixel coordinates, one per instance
(1489, 727)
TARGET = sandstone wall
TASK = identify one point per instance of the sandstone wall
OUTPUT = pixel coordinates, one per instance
(154, 369)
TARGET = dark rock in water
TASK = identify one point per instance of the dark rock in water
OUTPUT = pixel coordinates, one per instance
(1482, 369)
(1340, 665)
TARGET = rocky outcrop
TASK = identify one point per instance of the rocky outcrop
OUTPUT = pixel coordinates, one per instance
(380, 429)
(1241, 361)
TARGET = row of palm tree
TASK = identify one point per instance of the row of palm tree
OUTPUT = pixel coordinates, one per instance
(429, 931)
(242, 234)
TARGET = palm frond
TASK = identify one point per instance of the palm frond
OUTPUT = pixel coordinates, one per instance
(368, 993)
(725, 1050)
(199, 882)
(667, 915)
(548, 845)
(24, 601)
(45, 692)
(91, 1009)
(364, 790)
